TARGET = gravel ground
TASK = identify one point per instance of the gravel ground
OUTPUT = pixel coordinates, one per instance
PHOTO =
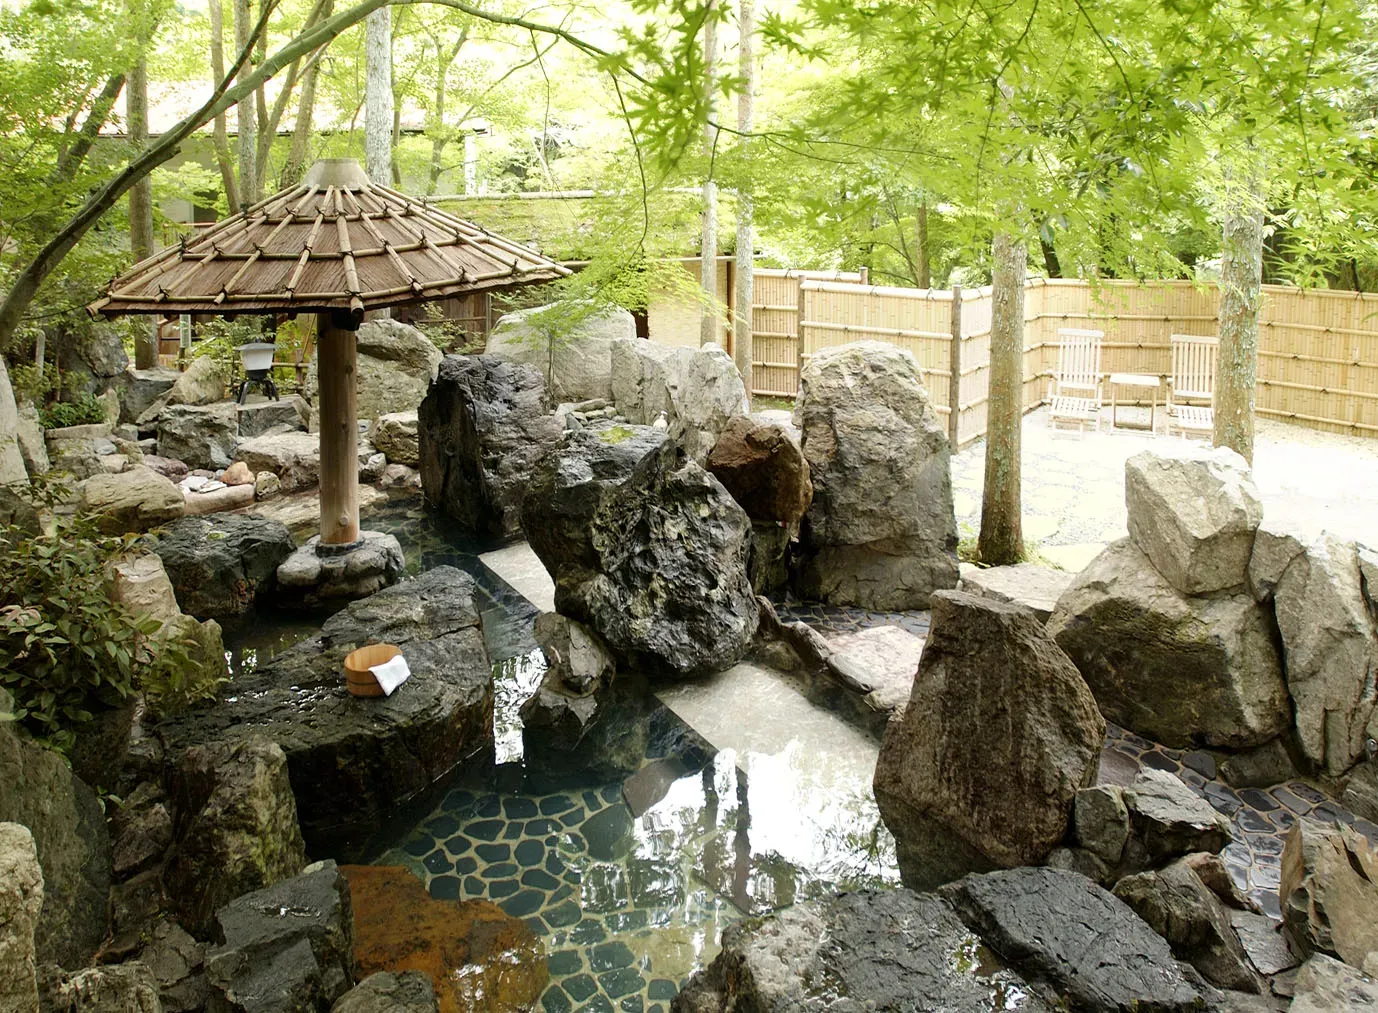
(1073, 490)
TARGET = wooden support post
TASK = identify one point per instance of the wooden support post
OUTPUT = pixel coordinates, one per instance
(336, 368)
(954, 365)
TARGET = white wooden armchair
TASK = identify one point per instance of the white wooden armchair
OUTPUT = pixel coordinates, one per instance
(1192, 382)
(1074, 392)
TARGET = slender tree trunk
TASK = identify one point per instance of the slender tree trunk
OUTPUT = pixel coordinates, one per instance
(925, 271)
(1001, 540)
(708, 247)
(306, 108)
(221, 136)
(247, 115)
(141, 200)
(378, 96)
(1241, 276)
(742, 338)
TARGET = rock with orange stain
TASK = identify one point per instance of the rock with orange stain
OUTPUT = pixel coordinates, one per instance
(480, 959)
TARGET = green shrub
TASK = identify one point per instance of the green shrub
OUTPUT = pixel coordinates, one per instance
(66, 649)
(85, 410)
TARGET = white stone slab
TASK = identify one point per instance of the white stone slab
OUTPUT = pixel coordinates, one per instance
(520, 566)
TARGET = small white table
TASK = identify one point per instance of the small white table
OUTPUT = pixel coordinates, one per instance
(1139, 381)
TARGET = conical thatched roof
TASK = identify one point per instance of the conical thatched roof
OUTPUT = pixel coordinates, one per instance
(336, 241)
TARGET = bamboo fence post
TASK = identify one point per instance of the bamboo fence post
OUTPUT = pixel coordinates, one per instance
(954, 365)
(799, 342)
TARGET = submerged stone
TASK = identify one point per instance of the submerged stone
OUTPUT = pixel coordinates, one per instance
(478, 958)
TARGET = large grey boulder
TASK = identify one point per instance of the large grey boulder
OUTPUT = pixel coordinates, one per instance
(1324, 985)
(203, 436)
(1193, 511)
(396, 364)
(647, 377)
(353, 762)
(1168, 819)
(236, 827)
(220, 565)
(295, 458)
(1331, 652)
(649, 553)
(385, 992)
(484, 427)
(711, 396)
(201, 383)
(890, 950)
(583, 346)
(1183, 910)
(1061, 928)
(311, 579)
(1276, 543)
(136, 500)
(12, 469)
(93, 358)
(880, 532)
(80, 450)
(263, 418)
(143, 387)
(39, 790)
(21, 900)
(1036, 587)
(396, 436)
(1329, 891)
(288, 948)
(1000, 733)
(1185, 671)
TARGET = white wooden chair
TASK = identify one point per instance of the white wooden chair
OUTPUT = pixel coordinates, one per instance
(1074, 392)
(1192, 382)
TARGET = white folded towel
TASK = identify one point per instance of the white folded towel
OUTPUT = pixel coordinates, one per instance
(391, 674)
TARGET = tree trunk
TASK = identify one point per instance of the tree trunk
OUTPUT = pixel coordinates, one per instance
(306, 108)
(708, 247)
(924, 270)
(246, 116)
(1001, 541)
(1241, 275)
(742, 338)
(378, 96)
(221, 134)
(141, 200)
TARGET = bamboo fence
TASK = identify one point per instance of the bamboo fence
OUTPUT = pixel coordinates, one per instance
(1318, 349)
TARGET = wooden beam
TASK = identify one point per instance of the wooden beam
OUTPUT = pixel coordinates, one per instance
(336, 368)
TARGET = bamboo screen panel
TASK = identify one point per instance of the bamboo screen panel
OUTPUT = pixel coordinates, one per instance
(1318, 359)
(917, 320)
(775, 333)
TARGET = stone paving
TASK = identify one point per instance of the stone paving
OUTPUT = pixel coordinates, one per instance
(1073, 485)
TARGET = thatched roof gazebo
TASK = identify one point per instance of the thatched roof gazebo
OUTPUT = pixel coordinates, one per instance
(339, 246)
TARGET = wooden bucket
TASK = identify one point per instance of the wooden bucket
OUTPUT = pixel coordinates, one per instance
(358, 679)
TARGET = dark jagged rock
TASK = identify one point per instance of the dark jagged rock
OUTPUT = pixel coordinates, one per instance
(999, 735)
(648, 553)
(484, 426)
(1182, 909)
(1081, 940)
(220, 564)
(39, 790)
(759, 462)
(351, 761)
(237, 827)
(288, 948)
(876, 950)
